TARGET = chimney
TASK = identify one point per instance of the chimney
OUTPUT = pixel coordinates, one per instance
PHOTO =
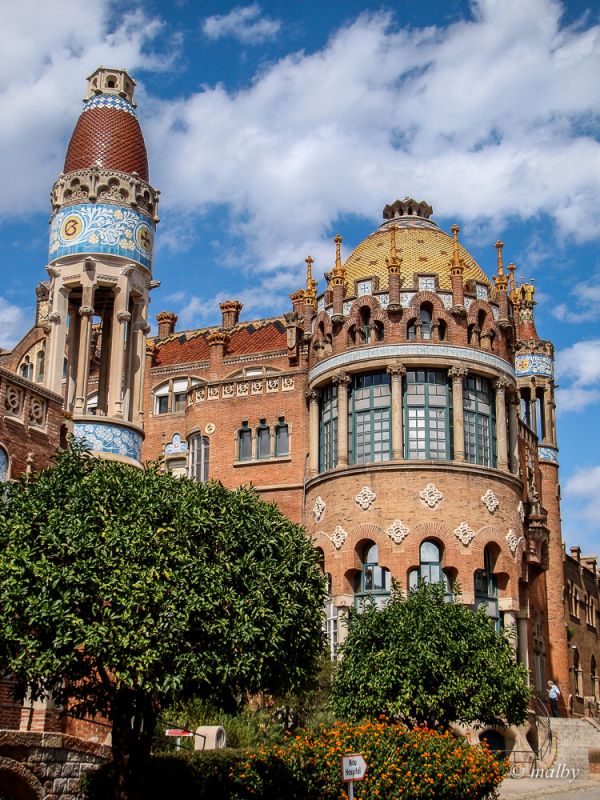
(575, 553)
(166, 324)
(231, 313)
(217, 340)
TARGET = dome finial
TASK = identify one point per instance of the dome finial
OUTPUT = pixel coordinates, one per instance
(457, 264)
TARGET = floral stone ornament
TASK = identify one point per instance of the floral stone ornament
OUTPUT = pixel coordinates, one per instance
(338, 537)
(365, 497)
(318, 509)
(464, 533)
(513, 541)
(490, 501)
(431, 496)
(397, 531)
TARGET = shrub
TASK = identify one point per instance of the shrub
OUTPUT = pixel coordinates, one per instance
(419, 764)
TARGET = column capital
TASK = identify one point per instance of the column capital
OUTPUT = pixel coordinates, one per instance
(312, 395)
(124, 316)
(396, 371)
(341, 378)
(458, 373)
(501, 384)
(86, 311)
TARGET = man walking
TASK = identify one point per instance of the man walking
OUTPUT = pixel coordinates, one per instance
(553, 695)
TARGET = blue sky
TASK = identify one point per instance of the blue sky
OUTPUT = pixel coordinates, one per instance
(272, 126)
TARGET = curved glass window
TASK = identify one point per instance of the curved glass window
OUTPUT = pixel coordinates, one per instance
(369, 418)
(372, 581)
(430, 568)
(198, 458)
(486, 589)
(480, 421)
(328, 429)
(427, 415)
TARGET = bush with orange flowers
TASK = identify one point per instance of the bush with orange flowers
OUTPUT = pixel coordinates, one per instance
(402, 764)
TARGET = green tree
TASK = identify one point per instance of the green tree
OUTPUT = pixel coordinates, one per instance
(124, 589)
(426, 660)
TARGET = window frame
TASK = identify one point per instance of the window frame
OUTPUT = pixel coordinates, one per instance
(198, 457)
(428, 408)
(378, 417)
(244, 435)
(483, 424)
(328, 428)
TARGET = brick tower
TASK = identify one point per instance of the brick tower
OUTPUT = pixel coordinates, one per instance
(104, 214)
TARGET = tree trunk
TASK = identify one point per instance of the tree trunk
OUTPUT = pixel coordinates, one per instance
(134, 719)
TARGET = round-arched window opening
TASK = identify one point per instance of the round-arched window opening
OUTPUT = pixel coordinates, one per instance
(495, 742)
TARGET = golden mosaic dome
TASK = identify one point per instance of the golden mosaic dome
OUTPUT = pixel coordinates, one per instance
(424, 248)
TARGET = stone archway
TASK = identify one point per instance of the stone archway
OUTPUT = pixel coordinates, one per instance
(18, 783)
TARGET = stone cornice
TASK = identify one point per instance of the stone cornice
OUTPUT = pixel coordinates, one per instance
(34, 388)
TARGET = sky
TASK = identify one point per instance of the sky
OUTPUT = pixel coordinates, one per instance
(272, 126)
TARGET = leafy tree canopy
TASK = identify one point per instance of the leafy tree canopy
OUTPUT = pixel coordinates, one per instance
(423, 659)
(124, 589)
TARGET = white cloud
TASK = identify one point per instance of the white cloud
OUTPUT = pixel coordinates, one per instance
(244, 23)
(579, 365)
(14, 322)
(584, 485)
(482, 118)
(46, 49)
(584, 306)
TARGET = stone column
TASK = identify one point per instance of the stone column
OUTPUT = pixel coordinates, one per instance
(458, 374)
(121, 317)
(313, 427)
(509, 618)
(548, 426)
(137, 350)
(396, 373)
(342, 380)
(500, 387)
(83, 360)
(58, 333)
(513, 432)
(533, 411)
(104, 364)
(72, 357)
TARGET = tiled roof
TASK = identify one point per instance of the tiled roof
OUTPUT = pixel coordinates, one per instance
(258, 336)
(423, 248)
(109, 136)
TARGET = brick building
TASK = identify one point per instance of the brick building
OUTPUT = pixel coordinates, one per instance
(404, 412)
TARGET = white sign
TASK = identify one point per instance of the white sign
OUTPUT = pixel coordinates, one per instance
(178, 732)
(353, 768)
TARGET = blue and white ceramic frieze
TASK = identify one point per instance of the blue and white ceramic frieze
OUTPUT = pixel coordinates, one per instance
(321, 304)
(109, 101)
(406, 298)
(363, 288)
(100, 228)
(481, 291)
(347, 307)
(3, 465)
(548, 454)
(534, 364)
(446, 299)
(384, 300)
(110, 437)
(176, 446)
(446, 352)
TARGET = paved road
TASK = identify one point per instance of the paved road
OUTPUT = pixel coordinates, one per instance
(528, 788)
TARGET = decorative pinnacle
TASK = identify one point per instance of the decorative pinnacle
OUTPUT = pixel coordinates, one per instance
(337, 274)
(500, 279)
(311, 285)
(393, 262)
(511, 278)
(457, 263)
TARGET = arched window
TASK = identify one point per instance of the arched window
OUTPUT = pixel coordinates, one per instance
(486, 588)
(372, 581)
(594, 678)
(430, 568)
(369, 418)
(592, 611)
(245, 442)
(427, 415)
(199, 450)
(26, 369)
(40, 364)
(426, 316)
(263, 440)
(442, 330)
(3, 465)
(282, 438)
(411, 330)
(480, 421)
(575, 609)
(328, 428)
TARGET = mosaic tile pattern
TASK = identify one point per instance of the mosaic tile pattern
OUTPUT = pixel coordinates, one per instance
(399, 350)
(534, 364)
(176, 446)
(109, 101)
(109, 437)
(548, 454)
(99, 228)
